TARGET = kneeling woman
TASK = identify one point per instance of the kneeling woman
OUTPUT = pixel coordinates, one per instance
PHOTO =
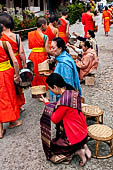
(71, 127)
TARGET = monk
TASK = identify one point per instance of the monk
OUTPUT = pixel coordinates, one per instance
(64, 27)
(88, 21)
(18, 50)
(51, 30)
(39, 44)
(106, 18)
(9, 109)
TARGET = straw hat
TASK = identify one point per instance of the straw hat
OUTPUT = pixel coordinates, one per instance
(36, 91)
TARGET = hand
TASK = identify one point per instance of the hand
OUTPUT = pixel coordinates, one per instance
(44, 99)
(75, 34)
(17, 79)
(25, 65)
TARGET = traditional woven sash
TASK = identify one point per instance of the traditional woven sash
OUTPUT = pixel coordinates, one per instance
(45, 123)
(69, 98)
(5, 65)
(38, 49)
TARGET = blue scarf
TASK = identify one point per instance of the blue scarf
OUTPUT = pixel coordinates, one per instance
(64, 57)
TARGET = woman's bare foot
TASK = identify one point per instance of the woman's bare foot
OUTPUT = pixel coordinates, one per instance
(81, 153)
(87, 151)
(15, 124)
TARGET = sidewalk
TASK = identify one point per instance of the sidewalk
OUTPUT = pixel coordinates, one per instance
(21, 148)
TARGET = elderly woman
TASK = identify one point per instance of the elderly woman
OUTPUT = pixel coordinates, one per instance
(71, 135)
(65, 66)
(89, 61)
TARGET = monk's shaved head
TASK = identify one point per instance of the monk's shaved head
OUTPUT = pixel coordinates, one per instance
(41, 21)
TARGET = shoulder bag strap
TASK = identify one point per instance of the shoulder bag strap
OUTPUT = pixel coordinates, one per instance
(18, 41)
(7, 51)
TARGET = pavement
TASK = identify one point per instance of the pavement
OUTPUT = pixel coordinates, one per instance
(21, 148)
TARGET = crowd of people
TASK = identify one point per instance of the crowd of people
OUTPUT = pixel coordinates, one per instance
(48, 42)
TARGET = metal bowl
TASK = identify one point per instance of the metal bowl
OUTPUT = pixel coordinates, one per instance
(30, 65)
(26, 76)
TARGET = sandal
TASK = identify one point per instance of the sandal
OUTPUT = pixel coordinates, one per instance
(15, 124)
(3, 133)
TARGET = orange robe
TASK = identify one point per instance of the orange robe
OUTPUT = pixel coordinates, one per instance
(20, 97)
(50, 34)
(87, 22)
(9, 109)
(62, 30)
(106, 17)
(36, 41)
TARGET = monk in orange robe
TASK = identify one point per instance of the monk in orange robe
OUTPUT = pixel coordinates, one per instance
(18, 51)
(39, 44)
(9, 109)
(88, 21)
(106, 18)
(64, 27)
(51, 30)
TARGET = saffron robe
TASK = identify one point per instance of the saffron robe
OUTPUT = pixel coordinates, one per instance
(9, 109)
(106, 17)
(87, 22)
(36, 41)
(50, 34)
(20, 96)
(62, 30)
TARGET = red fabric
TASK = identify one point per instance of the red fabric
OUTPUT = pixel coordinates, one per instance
(74, 124)
(106, 20)
(9, 109)
(20, 98)
(50, 34)
(14, 47)
(62, 28)
(87, 22)
(35, 41)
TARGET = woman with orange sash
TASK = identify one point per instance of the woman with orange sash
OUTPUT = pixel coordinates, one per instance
(88, 21)
(106, 18)
(38, 42)
(64, 27)
(18, 51)
(51, 30)
(9, 109)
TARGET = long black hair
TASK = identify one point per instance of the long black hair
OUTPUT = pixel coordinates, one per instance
(91, 33)
(60, 43)
(57, 79)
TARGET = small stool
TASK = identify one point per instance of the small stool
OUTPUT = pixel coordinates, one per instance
(101, 133)
(93, 111)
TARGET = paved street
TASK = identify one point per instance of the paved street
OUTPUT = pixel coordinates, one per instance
(21, 148)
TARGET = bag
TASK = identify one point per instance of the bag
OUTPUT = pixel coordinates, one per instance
(18, 41)
(18, 89)
(96, 28)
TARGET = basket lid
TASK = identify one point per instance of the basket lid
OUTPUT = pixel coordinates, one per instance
(44, 66)
(41, 89)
